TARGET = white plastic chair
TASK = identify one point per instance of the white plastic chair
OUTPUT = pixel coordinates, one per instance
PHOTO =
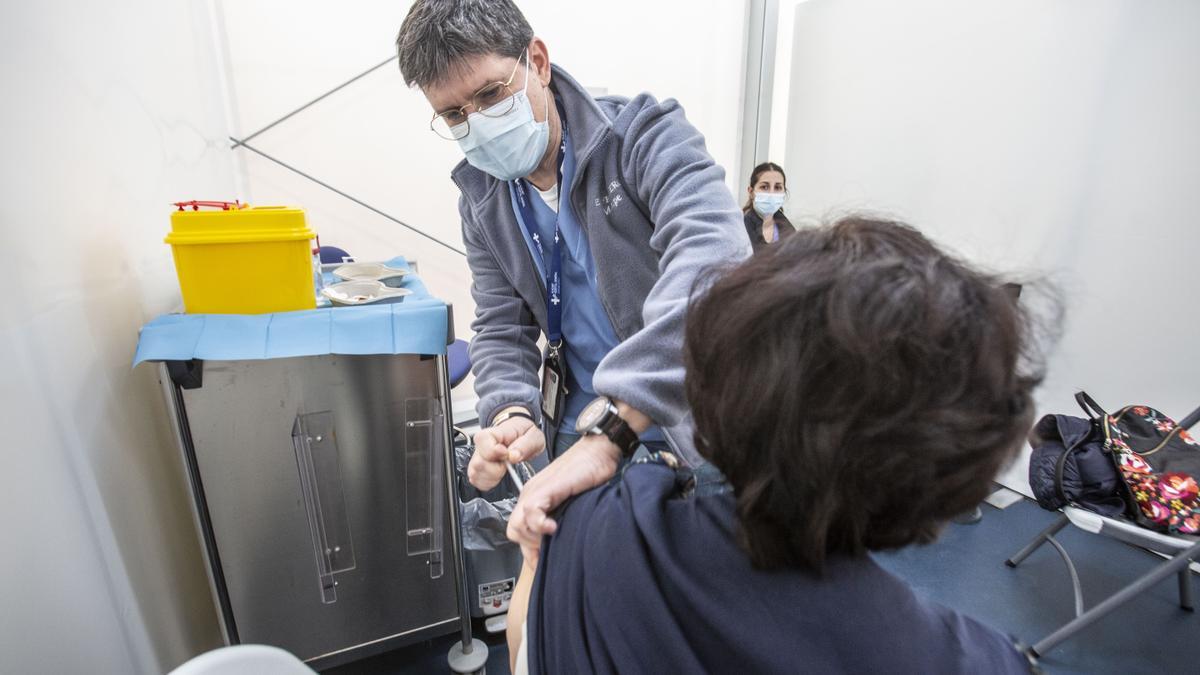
(1180, 549)
(244, 660)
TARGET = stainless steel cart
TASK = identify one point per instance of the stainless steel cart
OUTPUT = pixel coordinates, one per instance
(322, 488)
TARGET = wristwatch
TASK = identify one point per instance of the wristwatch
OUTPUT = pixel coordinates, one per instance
(600, 418)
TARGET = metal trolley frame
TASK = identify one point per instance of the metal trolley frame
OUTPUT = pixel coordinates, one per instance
(263, 599)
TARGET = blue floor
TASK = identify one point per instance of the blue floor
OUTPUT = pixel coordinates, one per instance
(965, 570)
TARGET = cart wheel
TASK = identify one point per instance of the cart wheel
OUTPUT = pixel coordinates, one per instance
(468, 662)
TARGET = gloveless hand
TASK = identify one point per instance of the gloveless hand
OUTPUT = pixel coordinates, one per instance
(514, 440)
(588, 463)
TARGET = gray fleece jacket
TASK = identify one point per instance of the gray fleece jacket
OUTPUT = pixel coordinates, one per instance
(656, 212)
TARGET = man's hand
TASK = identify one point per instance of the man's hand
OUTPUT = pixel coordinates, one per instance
(588, 463)
(513, 440)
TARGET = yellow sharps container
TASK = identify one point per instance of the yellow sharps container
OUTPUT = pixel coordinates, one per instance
(242, 259)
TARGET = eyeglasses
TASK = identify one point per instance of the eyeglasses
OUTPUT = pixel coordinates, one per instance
(493, 100)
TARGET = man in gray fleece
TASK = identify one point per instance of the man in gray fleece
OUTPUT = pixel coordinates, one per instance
(586, 220)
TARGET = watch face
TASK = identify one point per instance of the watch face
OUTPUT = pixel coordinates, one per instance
(592, 415)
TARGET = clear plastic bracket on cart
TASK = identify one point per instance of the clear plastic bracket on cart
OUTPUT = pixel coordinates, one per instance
(425, 480)
(321, 486)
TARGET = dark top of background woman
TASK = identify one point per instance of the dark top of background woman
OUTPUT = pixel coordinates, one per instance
(753, 219)
(754, 225)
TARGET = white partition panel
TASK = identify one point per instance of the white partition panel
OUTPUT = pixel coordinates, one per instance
(1057, 137)
(112, 111)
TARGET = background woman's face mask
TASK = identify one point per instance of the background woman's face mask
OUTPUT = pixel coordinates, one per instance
(512, 145)
(765, 203)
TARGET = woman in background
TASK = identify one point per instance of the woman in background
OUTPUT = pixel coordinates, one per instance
(765, 222)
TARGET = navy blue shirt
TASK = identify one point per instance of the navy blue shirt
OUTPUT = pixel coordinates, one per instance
(638, 579)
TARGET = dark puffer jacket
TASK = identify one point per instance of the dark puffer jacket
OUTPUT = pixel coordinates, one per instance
(1069, 466)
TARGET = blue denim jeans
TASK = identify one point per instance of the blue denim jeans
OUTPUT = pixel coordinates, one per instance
(563, 442)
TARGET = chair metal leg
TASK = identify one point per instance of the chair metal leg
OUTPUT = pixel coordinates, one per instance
(1172, 566)
(1185, 588)
(1038, 541)
(1075, 587)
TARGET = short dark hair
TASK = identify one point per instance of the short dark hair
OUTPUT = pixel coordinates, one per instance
(438, 34)
(858, 387)
(757, 173)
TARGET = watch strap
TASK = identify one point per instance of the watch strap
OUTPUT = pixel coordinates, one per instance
(622, 435)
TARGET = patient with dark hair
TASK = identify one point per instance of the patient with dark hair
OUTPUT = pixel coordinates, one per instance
(857, 388)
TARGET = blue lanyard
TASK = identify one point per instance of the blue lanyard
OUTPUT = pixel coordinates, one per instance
(554, 275)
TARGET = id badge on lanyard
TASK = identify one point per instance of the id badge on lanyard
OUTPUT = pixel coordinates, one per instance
(554, 370)
(554, 386)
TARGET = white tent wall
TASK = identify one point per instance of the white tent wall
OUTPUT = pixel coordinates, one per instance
(1055, 137)
(113, 111)
(780, 88)
(372, 139)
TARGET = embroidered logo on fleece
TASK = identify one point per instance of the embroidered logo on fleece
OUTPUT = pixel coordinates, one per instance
(610, 201)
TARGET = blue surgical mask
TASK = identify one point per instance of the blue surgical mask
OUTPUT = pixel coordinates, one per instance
(510, 146)
(765, 203)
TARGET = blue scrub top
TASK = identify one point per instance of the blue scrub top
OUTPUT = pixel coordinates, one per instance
(587, 330)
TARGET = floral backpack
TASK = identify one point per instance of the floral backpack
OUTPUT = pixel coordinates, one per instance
(1159, 462)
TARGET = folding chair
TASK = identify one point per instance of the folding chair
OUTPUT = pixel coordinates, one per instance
(1181, 550)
